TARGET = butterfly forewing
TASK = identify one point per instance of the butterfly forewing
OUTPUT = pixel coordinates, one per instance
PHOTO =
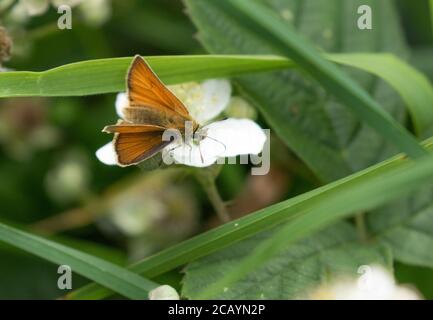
(145, 89)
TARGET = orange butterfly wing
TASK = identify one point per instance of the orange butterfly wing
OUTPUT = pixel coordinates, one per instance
(145, 89)
(126, 127)
(135, 143)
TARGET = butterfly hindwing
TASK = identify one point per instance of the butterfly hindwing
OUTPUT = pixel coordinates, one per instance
(135, 143)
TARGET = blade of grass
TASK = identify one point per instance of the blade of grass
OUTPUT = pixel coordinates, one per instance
(107, 75)
(298, 210)
(267, 24)
(414, 87)
(116, 278)
(410, 176)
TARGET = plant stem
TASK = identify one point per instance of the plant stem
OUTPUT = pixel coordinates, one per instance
(207, 180)
(217, 202)
(361, 226)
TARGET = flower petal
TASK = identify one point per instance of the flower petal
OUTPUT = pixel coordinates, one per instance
(205, 100)
(240, 108)
(107, 155)
(95, 12)
(70, 3)
(164, 292)
(190, 155)
(236, 136)
(121, 102)
(35, 7)
(375, 283)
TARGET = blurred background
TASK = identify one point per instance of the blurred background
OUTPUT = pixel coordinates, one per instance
(50, 180)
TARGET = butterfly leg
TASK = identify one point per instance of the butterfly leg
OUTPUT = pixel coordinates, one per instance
(201, 154)
(190, 150)
(213, 139)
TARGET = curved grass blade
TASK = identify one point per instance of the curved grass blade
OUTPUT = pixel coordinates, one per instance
(107, 75)
(267, 24)
(116, 278)
(414, 88)
(301, 212)
(363, 196)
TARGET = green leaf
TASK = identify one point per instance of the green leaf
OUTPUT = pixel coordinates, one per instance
(19, 270)
(416, 276)
(71, 79)
(322, 131)
(108, 75)
(327, 74)
(407, 227)
(293, 231)
(292, 273)
(106, 253)
(303, 215)
(421, 59)
(116, 278)
(415, 89)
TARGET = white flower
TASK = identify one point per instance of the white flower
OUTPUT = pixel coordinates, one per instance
(135, 217)
(68, 181)
(121, 103)
(70, 3)
(164, 292)
(39, 7)
(94, 12)
(204, 100)
(35, 7)
(219, 139)
(107, 155)
(239, 108)
(375, 284)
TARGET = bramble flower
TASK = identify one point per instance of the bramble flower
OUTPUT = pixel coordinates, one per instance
(375, 284)
(28, 8)
(216, 139)
(68, 181)
(94, 12)
(150, 213)
(164, 292)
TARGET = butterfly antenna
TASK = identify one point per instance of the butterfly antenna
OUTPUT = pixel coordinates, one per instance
(201, 154)
(225, 147)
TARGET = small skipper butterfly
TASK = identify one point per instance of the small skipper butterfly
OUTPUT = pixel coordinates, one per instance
(152, 109)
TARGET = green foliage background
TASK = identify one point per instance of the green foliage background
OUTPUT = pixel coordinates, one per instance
(316, 140)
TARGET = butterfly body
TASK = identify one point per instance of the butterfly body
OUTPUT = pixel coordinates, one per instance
(152, 110)
(146, 115)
